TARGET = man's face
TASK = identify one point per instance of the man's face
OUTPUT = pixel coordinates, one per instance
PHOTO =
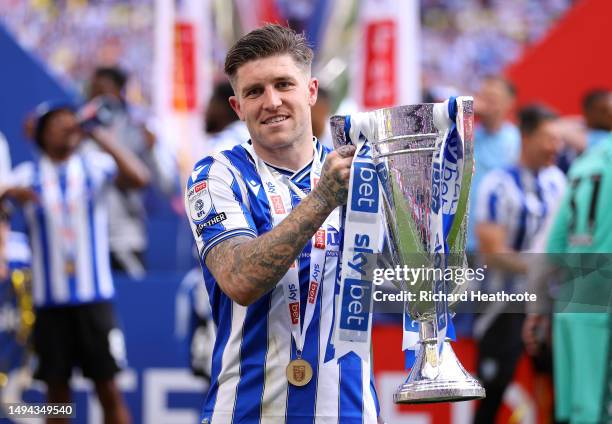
(543, 144)
(103, 86)
(274, 96)
(62, 133)
(493, 102)
(600, 114)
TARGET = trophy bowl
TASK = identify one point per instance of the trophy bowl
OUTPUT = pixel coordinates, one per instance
(404, 141)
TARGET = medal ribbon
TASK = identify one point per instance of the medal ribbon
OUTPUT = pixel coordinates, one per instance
(447, 173)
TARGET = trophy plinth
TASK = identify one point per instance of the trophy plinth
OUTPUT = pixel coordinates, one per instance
(436, 378)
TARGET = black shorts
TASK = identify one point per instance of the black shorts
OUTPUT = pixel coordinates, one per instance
(84, 336)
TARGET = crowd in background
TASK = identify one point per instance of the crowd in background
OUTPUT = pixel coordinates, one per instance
(462, 41)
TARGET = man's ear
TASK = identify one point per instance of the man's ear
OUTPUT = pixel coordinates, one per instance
(235, 104)
(313, 90)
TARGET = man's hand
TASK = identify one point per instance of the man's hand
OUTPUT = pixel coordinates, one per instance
(332, 189)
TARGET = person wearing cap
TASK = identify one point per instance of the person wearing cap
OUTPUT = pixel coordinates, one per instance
(63, 194)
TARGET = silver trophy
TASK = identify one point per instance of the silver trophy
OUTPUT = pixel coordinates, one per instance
(404, 142)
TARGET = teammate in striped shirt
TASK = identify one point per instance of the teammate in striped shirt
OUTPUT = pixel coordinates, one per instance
(63, 194)
(265, 219)
(512, 206)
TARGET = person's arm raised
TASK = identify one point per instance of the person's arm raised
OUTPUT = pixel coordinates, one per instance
(133, 173)
(247, 268)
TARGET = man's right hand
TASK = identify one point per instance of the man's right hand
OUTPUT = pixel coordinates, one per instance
(335, 176)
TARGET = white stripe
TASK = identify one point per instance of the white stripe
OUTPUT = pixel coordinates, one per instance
(369, 407)
(51, 195)
(38, 274)
(229, 377)
(278, 355)
(329, 373)
(102, 258)
(84, 271)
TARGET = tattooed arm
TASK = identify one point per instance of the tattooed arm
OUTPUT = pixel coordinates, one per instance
(247, 268)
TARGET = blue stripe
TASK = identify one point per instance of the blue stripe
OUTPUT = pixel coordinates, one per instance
(303, 173)
(40, 216)
(222, 316)
(351, 393)
(238, 196)
(493, 207)
(542, 199)
(253, 352)
(224, 236)
(522, 227)
(260, 208)
(373, 392)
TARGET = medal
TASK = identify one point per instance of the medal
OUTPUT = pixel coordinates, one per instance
(69, 267)
(299, 372)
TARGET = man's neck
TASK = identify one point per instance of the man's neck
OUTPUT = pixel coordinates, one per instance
(493, 125)
(293, 157)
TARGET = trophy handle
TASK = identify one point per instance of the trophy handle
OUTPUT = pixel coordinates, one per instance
(437, 378)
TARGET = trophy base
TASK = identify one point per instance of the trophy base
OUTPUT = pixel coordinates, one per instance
(436, 378)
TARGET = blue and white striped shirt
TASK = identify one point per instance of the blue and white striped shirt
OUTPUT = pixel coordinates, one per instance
(68, 228)
(224, 199)
(519, 200)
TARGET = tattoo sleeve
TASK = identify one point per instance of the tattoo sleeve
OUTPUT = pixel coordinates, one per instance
(247, 268)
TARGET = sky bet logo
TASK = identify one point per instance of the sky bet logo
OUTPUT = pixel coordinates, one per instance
(364, 197)
(357, 293)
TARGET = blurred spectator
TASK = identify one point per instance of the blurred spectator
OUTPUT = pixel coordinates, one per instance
(597, 109)
(496, 140)
(64, 197)
(462, 41)
(128, 235)
(194, 324)
(320, 113)
(222, 123)
(513, 203)
(580, 243)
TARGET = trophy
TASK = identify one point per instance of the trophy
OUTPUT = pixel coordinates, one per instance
(406, 142)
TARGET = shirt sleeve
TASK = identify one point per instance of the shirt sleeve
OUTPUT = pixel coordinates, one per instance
(216, 206)
(21, 175)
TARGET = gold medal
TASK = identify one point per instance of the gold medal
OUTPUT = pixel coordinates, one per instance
(299, 372)
(69, 267)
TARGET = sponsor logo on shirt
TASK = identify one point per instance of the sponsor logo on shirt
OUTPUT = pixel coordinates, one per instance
(277, 204)
(200, 202)
(212, 221)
